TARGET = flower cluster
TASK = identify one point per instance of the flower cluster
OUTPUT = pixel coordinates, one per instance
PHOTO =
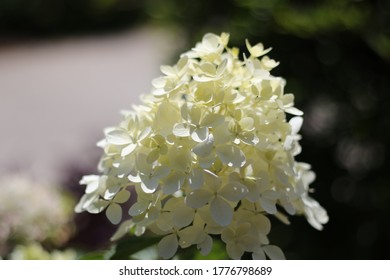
(35, 251)
(208, 152)
(32, 211)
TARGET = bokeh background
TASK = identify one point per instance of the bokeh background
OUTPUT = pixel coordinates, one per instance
(67, 67)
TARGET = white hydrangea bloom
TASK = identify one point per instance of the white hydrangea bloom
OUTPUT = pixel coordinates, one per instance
(209, 152)
(32, 211)
(35, 251)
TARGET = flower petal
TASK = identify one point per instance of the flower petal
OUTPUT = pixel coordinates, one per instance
(86, 201)
(293, 111)
(315, 214)
(138, 208)
(153, 156)
(114, 213)
(228, 235)
(258, 254)
(200, 134)
(195, 178)
(181, 130)
(212, 181)
(268, 205)
(173, 182)
(98, 206)
(122, 196)
(233, 191)
(183, 215)
(262, 223)
(111, 192)
(212, 120)
(246, 123)
(198, 198)
(92, 182)
(234, 251)
(165, 222)
(128, 149)
(256, 50)
(149, 183)
(274, 252)
(189, 236)
(123, 229)
(296, 124)
(249, 138)
(206, 245)
(118, 137)
(167, 247)
(221, 211)
(204, 148)
(231, 155)
(195, 114)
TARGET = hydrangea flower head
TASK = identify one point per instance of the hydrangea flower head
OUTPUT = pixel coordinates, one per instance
(208, 152)
(32, 211)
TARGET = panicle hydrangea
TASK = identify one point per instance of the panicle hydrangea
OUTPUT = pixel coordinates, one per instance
(32, 211)
(209, 152)
(35, 251)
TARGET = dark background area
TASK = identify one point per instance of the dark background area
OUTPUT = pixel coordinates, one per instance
(335, 56)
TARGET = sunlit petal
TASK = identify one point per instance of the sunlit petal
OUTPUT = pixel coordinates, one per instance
(204, 148)
(118, 137)
(173, 182)
(181, 130)
(200, 134)
(231, 155)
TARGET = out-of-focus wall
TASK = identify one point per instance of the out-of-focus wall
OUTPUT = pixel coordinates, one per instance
(56, 96)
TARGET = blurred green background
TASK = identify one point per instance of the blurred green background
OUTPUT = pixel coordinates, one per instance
(335, 56)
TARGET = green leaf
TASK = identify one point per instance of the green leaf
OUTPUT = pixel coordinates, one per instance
(123, 249)
(98, 255)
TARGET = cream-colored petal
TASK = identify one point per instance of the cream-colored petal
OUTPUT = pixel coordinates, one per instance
(221, 211)
(114, 213)
(138, 208)
(167, 247)
(198, 198)
(200, 134)
(122, 196)
(195, 178)
(204, 148)
(119, 137)
(181, 130)
(206, 245)
(234, 191)
(234, 251)
(231, 155)
(183, 215)
(274, 252)
(173, 182)
(123, 229)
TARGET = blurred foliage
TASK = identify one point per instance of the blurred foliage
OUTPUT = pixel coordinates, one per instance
(56, 17)
(335, 56)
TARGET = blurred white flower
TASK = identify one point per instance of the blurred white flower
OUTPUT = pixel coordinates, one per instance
(209, 152)
(32, 211)
(35, 251)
